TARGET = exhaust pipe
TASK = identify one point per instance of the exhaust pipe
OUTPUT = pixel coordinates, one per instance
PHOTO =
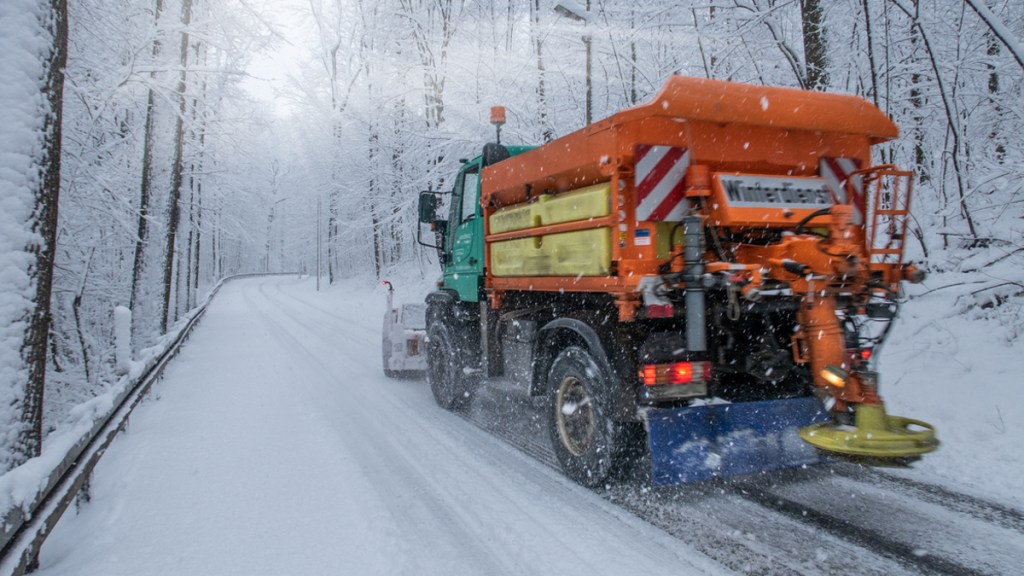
(693, 262)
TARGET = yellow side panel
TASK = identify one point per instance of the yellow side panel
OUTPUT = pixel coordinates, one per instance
(590, 202)
(583, 253)
(664, 236)
(512, 218)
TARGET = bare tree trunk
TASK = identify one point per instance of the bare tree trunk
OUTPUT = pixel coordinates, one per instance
(196, 268)
(196, 178)
(45, 226)
(815, 46)
(275, 179)
(700, 43)
(396, 185)
(174, 208)
(76, 306)
(43, 223)
(433, 57)
(145, 192)
(332, 234)
(538, 43)
(190, 245)
(339, 102)
(948, 106)
(917, 101)
(378, 244)
(218, 247)
(375, 199)
(198, 135)
(332, 200)
(871, 53)
(993, 93)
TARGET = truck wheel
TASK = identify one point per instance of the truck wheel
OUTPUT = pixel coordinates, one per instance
(590, 447)
(446, 369)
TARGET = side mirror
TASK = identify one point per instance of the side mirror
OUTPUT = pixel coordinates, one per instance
(428, 207)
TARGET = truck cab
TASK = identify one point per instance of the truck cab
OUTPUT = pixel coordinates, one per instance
(459, 238)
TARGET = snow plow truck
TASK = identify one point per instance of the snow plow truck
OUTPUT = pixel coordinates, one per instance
(708, 276)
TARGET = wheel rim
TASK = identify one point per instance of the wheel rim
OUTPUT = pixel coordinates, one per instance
(574, 415)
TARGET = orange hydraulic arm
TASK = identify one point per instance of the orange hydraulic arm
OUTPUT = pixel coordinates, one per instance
(854, 264)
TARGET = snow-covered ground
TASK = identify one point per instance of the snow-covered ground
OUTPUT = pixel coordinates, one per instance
(275, 445)
(957, 362)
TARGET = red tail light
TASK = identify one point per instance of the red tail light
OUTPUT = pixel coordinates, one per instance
(856, 355)
(681, 373)
(675, 373)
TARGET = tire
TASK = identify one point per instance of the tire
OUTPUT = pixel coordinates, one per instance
(591, 448)
(446, 373)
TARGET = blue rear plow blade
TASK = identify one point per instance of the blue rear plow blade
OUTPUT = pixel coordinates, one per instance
(696, 443)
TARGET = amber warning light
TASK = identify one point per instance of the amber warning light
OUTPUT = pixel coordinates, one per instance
(497, 115)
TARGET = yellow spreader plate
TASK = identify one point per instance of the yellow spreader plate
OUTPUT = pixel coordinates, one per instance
(874, 435)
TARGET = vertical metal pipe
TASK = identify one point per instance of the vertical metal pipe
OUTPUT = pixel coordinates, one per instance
(485, 334)
(693, 260)
(317, 243)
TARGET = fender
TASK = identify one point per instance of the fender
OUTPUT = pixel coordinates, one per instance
(439, 306)
(445, 305)
(615, 395)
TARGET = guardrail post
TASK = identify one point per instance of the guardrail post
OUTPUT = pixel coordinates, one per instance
(122, 339)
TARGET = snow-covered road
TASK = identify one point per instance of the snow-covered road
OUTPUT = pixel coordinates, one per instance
(274, 445)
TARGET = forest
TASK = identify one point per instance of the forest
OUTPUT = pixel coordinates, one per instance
(139, 166)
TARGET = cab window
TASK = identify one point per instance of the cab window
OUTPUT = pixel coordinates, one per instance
(469, 186)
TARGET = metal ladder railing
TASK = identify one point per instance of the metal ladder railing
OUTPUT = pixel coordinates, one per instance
(888, 213)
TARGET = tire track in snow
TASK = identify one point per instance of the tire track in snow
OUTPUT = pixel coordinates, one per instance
(429, 437)
(367, 444)
(282, 300)
(903, 553)
(747, 537)
(293, 300)
(471, 463)
(725, 525)
(937, 537)
(978, 508)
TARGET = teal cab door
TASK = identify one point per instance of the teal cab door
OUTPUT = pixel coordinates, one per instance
(465, 267)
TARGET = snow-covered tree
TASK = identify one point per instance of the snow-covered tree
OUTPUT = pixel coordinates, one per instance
(33, 41)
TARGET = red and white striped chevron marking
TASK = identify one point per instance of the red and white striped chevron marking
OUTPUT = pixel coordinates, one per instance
(836, 171)
(660, 193)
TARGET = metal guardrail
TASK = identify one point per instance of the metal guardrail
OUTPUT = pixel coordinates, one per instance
(25, 528)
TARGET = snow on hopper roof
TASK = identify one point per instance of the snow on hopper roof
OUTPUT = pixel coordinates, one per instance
(732, 102)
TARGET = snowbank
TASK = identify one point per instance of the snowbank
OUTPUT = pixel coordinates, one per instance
(955, 359)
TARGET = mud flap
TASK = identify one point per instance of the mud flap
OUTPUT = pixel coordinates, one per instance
(714, 441)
